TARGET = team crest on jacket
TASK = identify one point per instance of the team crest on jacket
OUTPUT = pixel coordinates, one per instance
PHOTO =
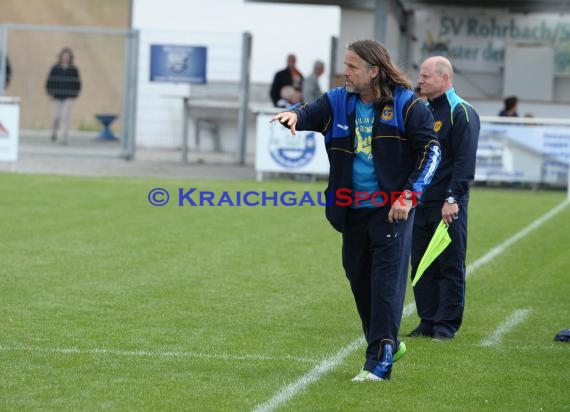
(387, 113)
(291, 151)
(437, 126)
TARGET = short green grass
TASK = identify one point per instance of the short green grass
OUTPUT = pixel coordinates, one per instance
(109, 303)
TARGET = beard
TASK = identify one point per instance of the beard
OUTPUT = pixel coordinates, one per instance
(351, 88)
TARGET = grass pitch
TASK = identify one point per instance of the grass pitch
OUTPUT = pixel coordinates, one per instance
(109, 303)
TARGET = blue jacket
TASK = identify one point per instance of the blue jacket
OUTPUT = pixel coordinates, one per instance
(457, 127)
(404, 146)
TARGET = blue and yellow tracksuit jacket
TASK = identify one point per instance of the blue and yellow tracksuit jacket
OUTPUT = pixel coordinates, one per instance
(404, 145)
(457, 127)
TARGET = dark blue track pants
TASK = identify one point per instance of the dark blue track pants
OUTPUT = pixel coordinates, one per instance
(440, 293)
(375, 256)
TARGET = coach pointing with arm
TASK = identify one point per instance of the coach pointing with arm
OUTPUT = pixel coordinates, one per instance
(440, 292)
(379, 139)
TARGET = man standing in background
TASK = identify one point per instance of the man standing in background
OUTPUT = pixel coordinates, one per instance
(440, 293)
(290, 79)
(311, 89)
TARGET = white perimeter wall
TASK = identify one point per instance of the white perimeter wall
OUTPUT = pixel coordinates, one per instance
(277, 30)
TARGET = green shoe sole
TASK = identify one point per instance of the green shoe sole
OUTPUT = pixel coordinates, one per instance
(399, 354)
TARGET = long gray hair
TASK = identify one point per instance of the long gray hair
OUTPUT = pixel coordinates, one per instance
(389, 75)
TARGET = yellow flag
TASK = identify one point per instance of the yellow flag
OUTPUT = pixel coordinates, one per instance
(437, 244)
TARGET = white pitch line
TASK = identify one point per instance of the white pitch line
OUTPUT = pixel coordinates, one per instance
(496, 336)
(168, 354)
(497, 250)
(289, 391)
(314, 374)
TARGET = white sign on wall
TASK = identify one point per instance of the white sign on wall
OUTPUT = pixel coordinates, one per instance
(9, 128)
(475, 39)
(277, 150)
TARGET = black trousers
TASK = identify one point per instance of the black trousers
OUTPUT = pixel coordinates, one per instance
(375, 256)
(440, 293)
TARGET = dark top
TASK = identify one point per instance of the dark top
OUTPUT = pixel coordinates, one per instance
(63, 83)
(505, 113)
(457, 127)
(8, 71)
(282, 78)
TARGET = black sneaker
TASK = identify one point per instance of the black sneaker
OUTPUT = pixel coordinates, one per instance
(441, 337)
(419, 332)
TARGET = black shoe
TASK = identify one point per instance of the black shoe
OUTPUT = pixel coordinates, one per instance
(53, 138)
(418, 332)
(441, 337)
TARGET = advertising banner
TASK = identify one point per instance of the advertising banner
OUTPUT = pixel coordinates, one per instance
(177, 64)
(277, 150)
(526, 153)
(523, 153)
(475, 39)
(9, 128)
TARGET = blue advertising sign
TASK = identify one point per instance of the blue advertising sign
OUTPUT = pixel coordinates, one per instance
(179, 64)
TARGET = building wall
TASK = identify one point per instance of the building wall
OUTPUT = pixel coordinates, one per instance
(33, 51)
(485, 32)
(280, 29)
(357, 24)
(277, 30)
(476, 40)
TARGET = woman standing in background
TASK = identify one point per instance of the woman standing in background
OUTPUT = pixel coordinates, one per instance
(63, 85)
